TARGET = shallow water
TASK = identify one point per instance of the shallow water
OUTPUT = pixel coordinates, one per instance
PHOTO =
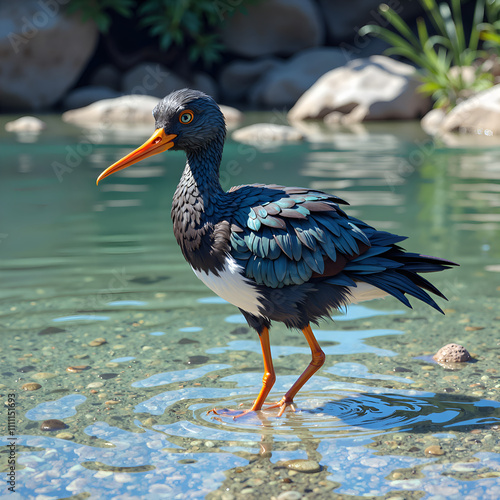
(81, 263)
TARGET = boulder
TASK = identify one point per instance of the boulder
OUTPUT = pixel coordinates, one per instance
(128, 110)
(232, 116)
(125, 110)
(479, 115)
(83, 96)
(376, 88)
(274, 27)
(267, 133)
(106, 76)
(43, 52)
(431, 122)
(25, 124)
(205, 83)
(284, 84)
(153, 79)
(238, 77)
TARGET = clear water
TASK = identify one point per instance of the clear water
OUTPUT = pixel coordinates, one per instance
(81, 263)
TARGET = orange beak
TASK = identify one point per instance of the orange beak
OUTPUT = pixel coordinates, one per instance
(157, 143)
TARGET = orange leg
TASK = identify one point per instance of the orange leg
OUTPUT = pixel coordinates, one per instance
(269, 375)
(318, 358)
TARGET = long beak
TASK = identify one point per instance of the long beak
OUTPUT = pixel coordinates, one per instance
(157, 143)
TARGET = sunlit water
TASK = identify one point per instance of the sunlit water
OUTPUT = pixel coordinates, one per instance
(81, 263)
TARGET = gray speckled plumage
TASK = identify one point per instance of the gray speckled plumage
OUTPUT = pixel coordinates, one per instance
(296, 246)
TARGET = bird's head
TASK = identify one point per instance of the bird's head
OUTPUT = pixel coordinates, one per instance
(186, 120)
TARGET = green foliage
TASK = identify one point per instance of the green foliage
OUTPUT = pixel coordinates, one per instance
(490, 30)
(98, 10)
(185, 23)
(437, 54)
(190, 25)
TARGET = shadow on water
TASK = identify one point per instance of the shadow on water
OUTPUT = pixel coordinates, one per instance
(441, 412)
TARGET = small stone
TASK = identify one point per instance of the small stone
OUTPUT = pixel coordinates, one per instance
(52, 425)
(302, 465)
(43, 376)
(97, 342)
(289, 495)
(94, 385)
(452, 353)
(434, 449)
(111, 402)
(473, 328)
(209, 444)
(65, 435)
(112, 364)
(31, 386)
(77, 369)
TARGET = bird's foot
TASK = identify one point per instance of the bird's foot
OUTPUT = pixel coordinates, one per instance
(283, 404)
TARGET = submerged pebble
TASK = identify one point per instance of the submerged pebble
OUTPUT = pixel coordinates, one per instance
(52, 425)
(452, 353)
(43, 376)
(302, 465)
(31, 386)
(97, 342)
(77, 369)
(434, 449)
(65, 435)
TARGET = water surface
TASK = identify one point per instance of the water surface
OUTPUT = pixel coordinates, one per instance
(81, 263)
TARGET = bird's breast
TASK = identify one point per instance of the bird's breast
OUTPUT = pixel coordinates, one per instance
(230, 284)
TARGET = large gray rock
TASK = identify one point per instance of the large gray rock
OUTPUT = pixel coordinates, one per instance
(43, 52)
(283, 85)
(238, 77)
(267, 133)
(129, 111)
(377, 88)
(280, 27)
(83, 96)
(126, 110)
(150, 78)
(479, 115)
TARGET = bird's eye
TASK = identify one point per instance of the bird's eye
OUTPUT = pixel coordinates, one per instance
(186, 117)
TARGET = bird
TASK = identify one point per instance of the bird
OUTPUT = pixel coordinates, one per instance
(279, 254)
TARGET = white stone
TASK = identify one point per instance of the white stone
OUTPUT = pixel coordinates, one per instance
(25, 124)
(267, 133)
(375, 88)
(284, 84)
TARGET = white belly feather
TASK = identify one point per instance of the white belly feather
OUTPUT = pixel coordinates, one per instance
(232, 286)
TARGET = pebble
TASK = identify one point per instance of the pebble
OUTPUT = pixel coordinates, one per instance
(209, 444)
(65, 435)
(302, 465)
(434, 450)
(31, 386)
(52, 425)
(289, 495)
(97, 342)
(77, 369)
(94, 385)
(452, 353)
(43, 376)
(112, 402)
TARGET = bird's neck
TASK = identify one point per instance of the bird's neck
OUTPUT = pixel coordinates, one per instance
(201, 174)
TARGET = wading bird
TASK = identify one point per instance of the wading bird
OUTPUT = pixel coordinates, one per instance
(286, 254)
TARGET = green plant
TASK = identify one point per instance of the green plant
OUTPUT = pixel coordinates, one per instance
(437, 54)
(184, 23)
(490, 30)
(98, 10)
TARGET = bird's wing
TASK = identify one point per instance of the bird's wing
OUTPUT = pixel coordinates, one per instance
(288, 236)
